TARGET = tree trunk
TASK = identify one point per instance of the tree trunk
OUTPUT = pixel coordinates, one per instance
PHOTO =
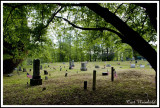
(131, 37)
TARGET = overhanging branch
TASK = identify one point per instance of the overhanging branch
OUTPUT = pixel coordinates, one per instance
(100, 29)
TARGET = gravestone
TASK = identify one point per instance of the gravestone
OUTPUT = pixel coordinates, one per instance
(20, 69)
(142, 66)
(60, 69)
(112, 74)
(72, 63)
(85, 85)
(30, 69)
(66, 74)
(36, 79)
(132, 66)
(104, 73)
(24, 70)
(135, 61)
(45, 72)
(46, 78)
(83, 66)
(96, 66)
(94, 80)
(108, 65)
(9, 75)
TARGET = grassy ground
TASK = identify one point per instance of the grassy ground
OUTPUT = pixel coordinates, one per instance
(132, 86)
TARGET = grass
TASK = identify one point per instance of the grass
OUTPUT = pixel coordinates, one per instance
(131, 84)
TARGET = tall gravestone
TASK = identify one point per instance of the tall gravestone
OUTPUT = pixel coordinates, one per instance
(36, 79)
(83, 66)
(72, 63)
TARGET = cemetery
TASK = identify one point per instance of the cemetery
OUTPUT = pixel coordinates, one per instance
(79, 53)
(72, 88)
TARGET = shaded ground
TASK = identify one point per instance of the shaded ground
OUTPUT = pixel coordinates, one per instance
(131, 86)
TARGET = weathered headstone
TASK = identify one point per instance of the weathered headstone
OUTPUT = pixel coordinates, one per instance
(85, 85)
(36, 79)
(132, 66)
(96, 66)
(94, 80)
(135, 61)
(60, 69)
(24, 70)
(20, 69)
(108, 65)
(41, 67)
(72, 63)
(83, 66)
(45, 72)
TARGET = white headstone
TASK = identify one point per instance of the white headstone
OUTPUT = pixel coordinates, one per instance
(133, 65)
(142, 66)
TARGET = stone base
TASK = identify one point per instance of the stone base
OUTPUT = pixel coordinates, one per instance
(34, 82)
(83, 69)
(104, 73)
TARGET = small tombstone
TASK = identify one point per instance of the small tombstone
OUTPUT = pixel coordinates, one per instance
(66, 74)
(104, 73)
(83, 66)
(45, 72)
(135, 61)
(9, 75)
(142, 66)
(96, 66)
(24, 70)
(20, 69)
(60, 69)
(41, 67)
(46, 78)
(85, 85)
(30, 69)
(112, 74)
(108, 65)
(132, 66)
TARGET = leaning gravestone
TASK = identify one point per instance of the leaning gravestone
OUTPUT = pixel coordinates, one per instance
(36, 79)
(96, 66)
(83, 66)
(72, 63)
(132, 66)
(108, 65)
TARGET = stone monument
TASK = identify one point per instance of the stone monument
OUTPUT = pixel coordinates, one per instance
(83, 66)
(72, 63)
(36, 79)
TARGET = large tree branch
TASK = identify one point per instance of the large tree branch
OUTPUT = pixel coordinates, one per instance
(100, 28)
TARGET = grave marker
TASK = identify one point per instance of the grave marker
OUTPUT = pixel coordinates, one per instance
(46, 78)
(96, 66)
(94, 80)
(132, 66)
(108, 65)
(72, 63)
(112, 74)
(142, 66)
(24, 70)
(36, 79)
(45, 72)
(83, 66)
(66, 74)
(41, 67)
(85, 85)
(20, 69)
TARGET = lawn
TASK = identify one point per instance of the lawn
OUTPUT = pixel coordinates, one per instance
(132, 86)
